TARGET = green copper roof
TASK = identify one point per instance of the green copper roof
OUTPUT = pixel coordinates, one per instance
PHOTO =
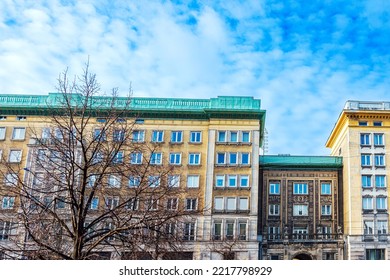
(286, 161)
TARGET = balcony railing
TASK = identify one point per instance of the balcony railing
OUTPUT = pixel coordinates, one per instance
(303, 237)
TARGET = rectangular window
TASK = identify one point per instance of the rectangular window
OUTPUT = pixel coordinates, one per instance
(221, 136)
(94, 203)
(233, 158)
(173, 181)
(233, 136)
(15, 156)
(243, 203)
(189, 231)
(381, 203)
(366, 181)
(3, 118)
(118, 158)
(368, 227)
(118, 135)
(242, 225)
(175, 158)
(375, 254)
(300, 210)
(220, 181)
(5, 230)
(382, 227)
(60, 202)
(231, 204)
(195, 137)
(11, 179)
(217, 230)
(366, 160)
(326, 188)
(367, 203)
(362, 123)
(191, 204)
(134, 181)
(274, 188)
(194, 159)
(300, 188)
(218, 203)
(114, 181)
(380, 181)
(98, 135)
(2, 133)
(326, 210)
(378, 139)
(232, 181)
(172, 203)
(112, 202)
(18, 133)
(151, 204)
(379, 160)
(365, 139)
(138, 136)
(245, 137)
(136, 158)
(245, 159)
(229, 232)
(221, 158)
(132, 204)
(274, 209)
(156, 158)
(8, 202)
(193, 181)
(244, 181)
(154, 181)
(157, 136)
(377, 123)
(273, 233)
(300, 232)
(176, 136)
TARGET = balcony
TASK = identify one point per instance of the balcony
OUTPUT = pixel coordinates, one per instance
(303, 237)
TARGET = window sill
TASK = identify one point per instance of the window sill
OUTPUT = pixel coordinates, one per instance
(176, 143)
(195, 143)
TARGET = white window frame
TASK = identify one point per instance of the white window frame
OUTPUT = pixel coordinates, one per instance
(219, 181)
(382, 227)
(366, 181)
(154, 181)
(379, 160)
(18, 133)
(15, 156)
(156, 158)
(195, 137)
(366, 160)
(193, 181)
(173, 181)
(231, 203)
(136, 158)
(218, 158)
(231, 157)
(134, 181)
(300, 210)
(274, 209)
(242, 157)
(177, 136)
(3, 131)
(381, 203)
(233, 183)
(114, 181)
(326, 188)
(367, 203)
(368, 227)
(274, 188)
(132, 204)
(112, 202)
(175, 158)
(221, 133)
(231, 133)
(138, 136)
(242, 179)
(172, 203)
(158, 136)
(94, 203)
(365, 139)
(379, 139)
(380, 181)
(191, 204)
(243, 203)
(194, 158)
(326, 210)
(11, 179)
(242, 136)
(301, 188)
(219, 203)
(8, 202)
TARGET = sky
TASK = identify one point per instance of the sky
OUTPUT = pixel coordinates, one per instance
(303, 59)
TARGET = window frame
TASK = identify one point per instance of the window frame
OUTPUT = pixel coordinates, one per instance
(194, 158)
(274, 209)
(21, 135)
(274, 188)
(300, 188)
(15, 158)
(194, 137)
(157, 136)
(177, 136)
(300, 210)
(175, 158)
(194, 179)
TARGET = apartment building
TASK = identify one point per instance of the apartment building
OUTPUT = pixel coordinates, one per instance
(300, 214)
(361, 136)
(211, 147)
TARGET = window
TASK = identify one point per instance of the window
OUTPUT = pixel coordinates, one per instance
(221, 136)
(366, 181)
(242, 230)
(244, 158)
(377, 123)
(99, 135)
(5, 230)
(132, 204)
(60, 202)
(138, 136)
(231, 204)
(382, 227)
(326, 210)
(96, 157)
(381, 203)
(152, 204)
(3, 118)
(274, 188)
(273, 233)
(233, 158)
(91, 181)
(175, 158)
(326, 231)
(173, 181)
(172, 203)
(300, 210)
(134, 181)
(2, 133)
(157, 136)
(94, 203)
(220, 181)
(368, 227)
(112, 202)
(375, 254)
(380, 181)
(195, 137)
(218, 203)
(118, 158)
(365, 139)
(8, 202)
(194, 159)
(300, 188)
(156, 158)
(11, 179)
(189, 231)
(367, 203)
(274, 209)
(18, 133)
(362, 123)
(244, 181)
(233, 136)
(15, 156)
(191, 204)
(221, 158)
(217, 230)
(101, 120)
(232, 181)
(114, 181)
(378, 139)
(379, 160)
(176, 136)
(154, 181)
(300, 232)
(243, 203)
(21, 118)
(136, 158)
(326, 188)
(193, 181)
(229, 230)
(245, 137)
(366, 160)
(118, 135)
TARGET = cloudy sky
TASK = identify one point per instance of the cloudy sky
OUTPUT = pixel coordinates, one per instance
(303, 59)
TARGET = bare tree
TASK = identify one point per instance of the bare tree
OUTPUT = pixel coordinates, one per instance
(91, 186)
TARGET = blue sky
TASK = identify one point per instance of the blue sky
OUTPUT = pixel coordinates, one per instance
(303, 59)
